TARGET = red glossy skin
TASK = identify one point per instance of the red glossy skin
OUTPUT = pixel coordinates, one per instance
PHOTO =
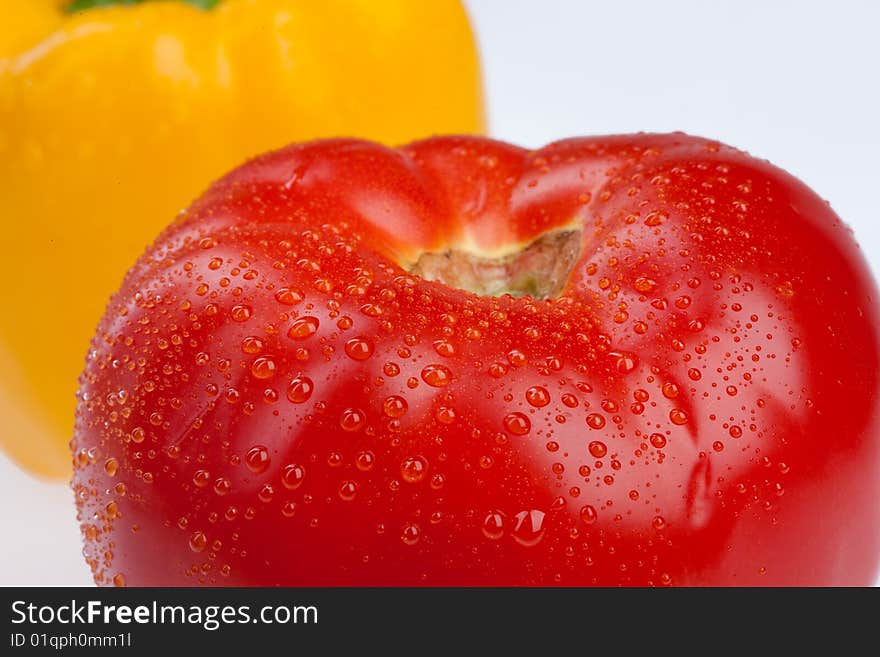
(699, 407)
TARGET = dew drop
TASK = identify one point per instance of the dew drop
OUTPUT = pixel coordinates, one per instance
(516, 358)
(493, 525)
(410, 534)
(670, 390)
(292, 476)
(597, 449)
(395, 406)
(241, 313)
(656, 218)
(222, 486)
(517, 424)
(347, 491)
(678, 416)
(588, 514)
(352, 419)
(528, 527)
(444, 415)
(624, 362)
(257, 459)
(414, 469)
(365, 461)
(444, 348)
(538, 396)
(111, 466)
(359, 348)
(288, 296)
(300, 389)
(251, 345)
(436, 375)
(303, 328)
(263, 368)
(267, 492)
(198, 541)
(595, 421)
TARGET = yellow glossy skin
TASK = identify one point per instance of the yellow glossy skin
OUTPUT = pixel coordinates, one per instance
(113, 119)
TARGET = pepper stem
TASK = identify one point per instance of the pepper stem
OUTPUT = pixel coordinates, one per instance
(540, 270)
(81, 5)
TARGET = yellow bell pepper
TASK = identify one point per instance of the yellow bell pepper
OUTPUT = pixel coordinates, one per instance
(114, 118)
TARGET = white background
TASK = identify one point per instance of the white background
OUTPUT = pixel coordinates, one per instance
(794, 82)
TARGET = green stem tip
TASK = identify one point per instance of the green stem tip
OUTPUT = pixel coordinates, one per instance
(80, 5)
